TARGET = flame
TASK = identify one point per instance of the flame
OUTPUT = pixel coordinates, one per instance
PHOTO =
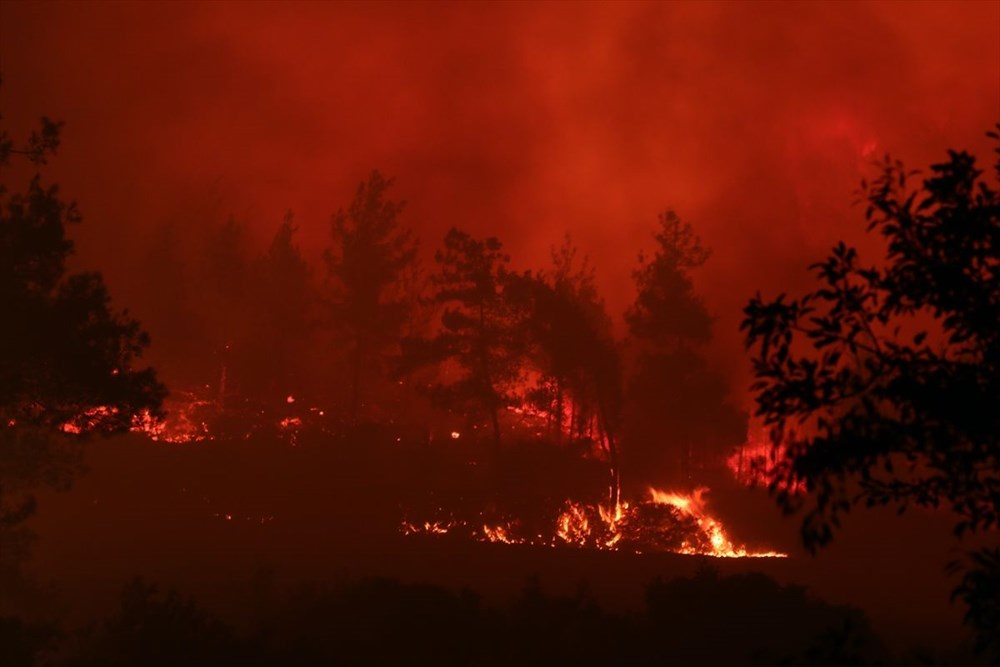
(756, 463)
(668, 521)
(693, 505)
(433, 527)
(501, 533)
(88, 419)
(573, 526)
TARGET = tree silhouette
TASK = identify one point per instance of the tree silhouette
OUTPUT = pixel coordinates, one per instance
(674, 398)
(283, 314)
(66, 356)
(573, 347)
(480, 329)
(890, 374)
(227, 304)
(370, 257)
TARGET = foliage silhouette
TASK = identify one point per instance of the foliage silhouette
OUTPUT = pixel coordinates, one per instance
(568, 335)
(675, 400)
(383, 621)
(67, 358)
(160, 630)
(890, 375)
(480, 332)
(371, 256)
(283, 318)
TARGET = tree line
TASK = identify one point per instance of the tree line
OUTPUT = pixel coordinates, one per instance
(883, 379)
(370, 327)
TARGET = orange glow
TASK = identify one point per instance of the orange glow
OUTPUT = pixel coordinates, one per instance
(685, 528)
(755, 463)
(693, 505)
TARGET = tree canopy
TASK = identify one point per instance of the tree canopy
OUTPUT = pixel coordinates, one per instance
(479, 328)
(68, 359)
(883, 382)
(679, 413)
(370, 258)
(570, 343)
(65, 350)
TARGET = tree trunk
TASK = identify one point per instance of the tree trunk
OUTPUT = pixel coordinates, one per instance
(614, 495)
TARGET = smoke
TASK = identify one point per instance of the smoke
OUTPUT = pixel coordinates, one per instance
(754, 121)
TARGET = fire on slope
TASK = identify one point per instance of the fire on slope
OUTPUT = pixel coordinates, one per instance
(664, 522)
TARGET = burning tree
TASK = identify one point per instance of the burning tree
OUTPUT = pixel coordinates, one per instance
(66, 356)
(890, 374)
(572, 346)
(370, 257)
(676, 402)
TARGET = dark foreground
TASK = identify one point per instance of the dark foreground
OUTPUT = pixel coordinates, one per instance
(166, 556)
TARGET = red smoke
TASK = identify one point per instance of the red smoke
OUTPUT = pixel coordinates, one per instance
(754, 121)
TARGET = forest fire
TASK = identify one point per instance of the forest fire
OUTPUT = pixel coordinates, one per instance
(756, 463)
(663, 521)
(666, 521)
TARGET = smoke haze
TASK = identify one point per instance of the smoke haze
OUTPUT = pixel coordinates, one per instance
(755, 122)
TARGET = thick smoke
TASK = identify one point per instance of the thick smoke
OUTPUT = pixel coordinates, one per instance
(754, 121)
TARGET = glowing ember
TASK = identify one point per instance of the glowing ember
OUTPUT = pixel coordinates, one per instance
(186, 421)
(290, 423)
(432, 527)
(88, 420)
(500, 534)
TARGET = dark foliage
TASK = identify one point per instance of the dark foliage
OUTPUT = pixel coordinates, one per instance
(678, 413)
(371, 258)
(67, 358)
(705, 619)
(889, 375)
(571, 346)
(480, 330)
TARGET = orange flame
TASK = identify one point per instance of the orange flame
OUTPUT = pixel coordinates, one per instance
(693, 505)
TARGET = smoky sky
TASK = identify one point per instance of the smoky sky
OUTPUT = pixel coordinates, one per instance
(754, 121)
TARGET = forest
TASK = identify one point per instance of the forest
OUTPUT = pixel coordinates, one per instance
(589, 368)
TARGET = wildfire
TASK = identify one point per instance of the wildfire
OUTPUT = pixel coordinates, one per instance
(693, 505)
(432, 527)
(181, 425)
(88, 420)
(665, 522)
(756, 463)
(501, 533)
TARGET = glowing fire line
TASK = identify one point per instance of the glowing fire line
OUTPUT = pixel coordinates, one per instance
(618, 528)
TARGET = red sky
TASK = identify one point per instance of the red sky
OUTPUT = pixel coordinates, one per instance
(754, 121)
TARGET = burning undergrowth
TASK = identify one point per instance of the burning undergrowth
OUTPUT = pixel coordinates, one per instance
(662, 522)
(658, 522)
